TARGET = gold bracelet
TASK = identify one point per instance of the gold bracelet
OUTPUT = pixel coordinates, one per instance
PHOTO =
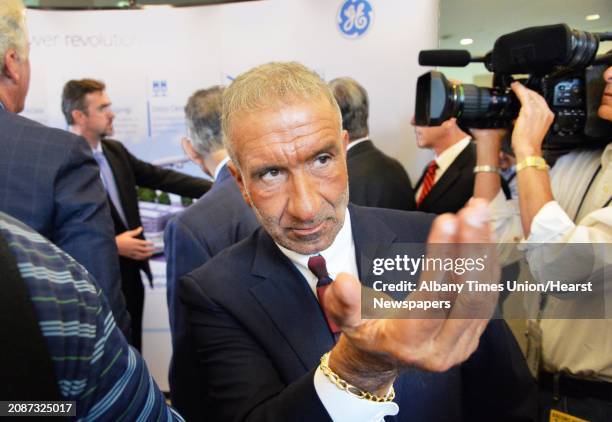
(351, 389)
(486, 169)
(532, 161)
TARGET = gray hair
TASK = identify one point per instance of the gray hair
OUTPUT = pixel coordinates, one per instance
(267, 86)
(203, 114)
(354, 105)
(13, 31)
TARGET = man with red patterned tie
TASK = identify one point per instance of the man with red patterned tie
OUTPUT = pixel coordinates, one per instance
(264, 314)
(447, 182)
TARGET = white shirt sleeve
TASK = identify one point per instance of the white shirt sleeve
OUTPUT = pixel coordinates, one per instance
(558, 249)
(342, 406)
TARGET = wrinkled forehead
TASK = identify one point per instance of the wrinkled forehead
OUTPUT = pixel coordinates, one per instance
(280, 117)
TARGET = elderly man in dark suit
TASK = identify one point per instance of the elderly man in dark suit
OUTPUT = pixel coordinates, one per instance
(48, 178)
(217, 220)
(264, 314)
(375, 179)
(87, 110)
(447, 182)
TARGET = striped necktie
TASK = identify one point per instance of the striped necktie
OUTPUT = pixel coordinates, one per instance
(428, 181)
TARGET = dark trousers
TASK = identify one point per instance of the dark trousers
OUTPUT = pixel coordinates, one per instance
(133, 291)
(588, 408)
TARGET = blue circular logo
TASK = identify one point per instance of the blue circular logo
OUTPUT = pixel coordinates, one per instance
(355, 17)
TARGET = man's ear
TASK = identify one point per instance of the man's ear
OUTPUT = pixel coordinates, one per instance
(239, 181)
(345, 139)
(11, 65)
(450, 123)
(77, 116)
(192, 153)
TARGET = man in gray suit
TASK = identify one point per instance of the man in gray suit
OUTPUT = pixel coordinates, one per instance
(216, 221)
(48, 177)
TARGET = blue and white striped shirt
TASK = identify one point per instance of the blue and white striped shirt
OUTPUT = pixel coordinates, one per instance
(94, 365)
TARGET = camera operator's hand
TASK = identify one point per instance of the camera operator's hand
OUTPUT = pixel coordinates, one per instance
(530, 128)
(532, 123)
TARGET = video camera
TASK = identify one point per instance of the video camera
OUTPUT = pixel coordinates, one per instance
(562, 65)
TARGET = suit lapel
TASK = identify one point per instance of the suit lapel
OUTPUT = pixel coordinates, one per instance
(449, 177)
(119, 173)
(371, 236)
(287, 299)
(283, 291)
(418, 183)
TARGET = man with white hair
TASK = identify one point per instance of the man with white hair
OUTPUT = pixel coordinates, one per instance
(48, 177)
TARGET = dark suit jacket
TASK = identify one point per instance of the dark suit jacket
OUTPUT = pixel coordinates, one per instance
(50, 181)
(259, 333)
(377, 180)
(130, 172)
(455, 187)
(216, 221)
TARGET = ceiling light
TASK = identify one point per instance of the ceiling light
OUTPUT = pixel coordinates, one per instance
(156, 6)
(593, 17)
(466, 41)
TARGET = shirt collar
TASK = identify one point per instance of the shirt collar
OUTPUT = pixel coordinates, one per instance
(336, 252)
(449, 155)
(98, 148)
(357, 141)
(219, 167)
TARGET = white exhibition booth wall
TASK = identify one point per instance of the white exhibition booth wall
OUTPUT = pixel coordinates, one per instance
(153, 59)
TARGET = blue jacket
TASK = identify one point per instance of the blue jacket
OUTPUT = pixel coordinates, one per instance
(50, 181)
(216, 221)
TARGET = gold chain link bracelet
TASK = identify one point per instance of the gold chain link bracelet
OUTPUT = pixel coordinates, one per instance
(351, 389)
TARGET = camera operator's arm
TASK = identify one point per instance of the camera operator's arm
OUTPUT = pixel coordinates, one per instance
(505, 216)
(488, 145)
(529, 131)
(552, 224)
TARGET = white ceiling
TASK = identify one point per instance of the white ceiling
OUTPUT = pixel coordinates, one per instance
(485, 20)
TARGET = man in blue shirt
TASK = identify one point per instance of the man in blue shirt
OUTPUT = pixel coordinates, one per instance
(92, 362)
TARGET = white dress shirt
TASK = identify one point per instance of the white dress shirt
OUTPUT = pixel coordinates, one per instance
(341, 406)
(444, 160)
(580, 346)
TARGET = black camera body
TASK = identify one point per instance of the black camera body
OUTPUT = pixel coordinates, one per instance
(561, 65)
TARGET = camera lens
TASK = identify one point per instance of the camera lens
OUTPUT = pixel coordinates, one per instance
(439, 100)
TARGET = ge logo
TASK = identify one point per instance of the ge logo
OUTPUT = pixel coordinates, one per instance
(355, 17)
